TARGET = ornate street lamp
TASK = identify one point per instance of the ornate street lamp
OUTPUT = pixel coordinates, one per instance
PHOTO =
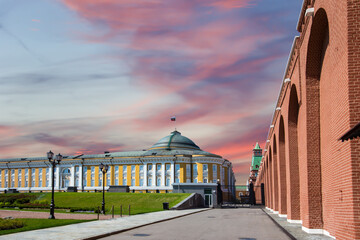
(104, 169)
(53, 161)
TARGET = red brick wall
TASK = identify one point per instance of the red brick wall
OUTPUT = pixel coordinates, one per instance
(319, 174)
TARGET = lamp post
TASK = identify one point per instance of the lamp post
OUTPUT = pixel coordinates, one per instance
(58, 158)
(104, 169)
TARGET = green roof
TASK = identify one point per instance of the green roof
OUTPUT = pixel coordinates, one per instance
(257, 146)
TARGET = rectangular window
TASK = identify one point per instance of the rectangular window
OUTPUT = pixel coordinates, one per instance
(214, 173)
(141, 175)
(116, 175)
(92, 176)
(84, 176)
(100, 177)
(205, 173)
(26, 177)
(6, 178)
(33, 177)
(132, 175)
(47, 177)
(195, 173)
(158, 175)
(12, 178)
(222, 175)
(19, 178)
(149, 174)
(188, 173)
(0, 176)
(40, 177)
(177, 173)
(108, 175)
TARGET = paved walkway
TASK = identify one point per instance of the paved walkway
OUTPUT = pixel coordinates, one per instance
(92, 230)
(30, 214)
(294, 229)
(224, 224)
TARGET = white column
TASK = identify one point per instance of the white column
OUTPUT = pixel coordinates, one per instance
(72, 178)
(172, 168)
(154, 175)
(57, 174)
(145, 175)
(162, 174)
(80, 176)
(50, 176)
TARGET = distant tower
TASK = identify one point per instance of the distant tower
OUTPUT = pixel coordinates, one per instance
(255, 163)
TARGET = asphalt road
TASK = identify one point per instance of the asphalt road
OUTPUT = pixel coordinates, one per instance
(240, 223)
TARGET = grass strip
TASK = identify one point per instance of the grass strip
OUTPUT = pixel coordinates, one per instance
(33, 224)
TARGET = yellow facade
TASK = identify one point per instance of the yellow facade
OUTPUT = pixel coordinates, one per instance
(2, 178)
(44, 177)
(128, 176)
(200, 172)
(112, 177)
(88, 176)
(182, 172)
(137, 175)
(23, 177)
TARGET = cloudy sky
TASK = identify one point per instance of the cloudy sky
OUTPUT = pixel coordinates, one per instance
(86, 76)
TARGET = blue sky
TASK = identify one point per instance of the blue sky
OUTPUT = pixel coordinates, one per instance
(89, 76)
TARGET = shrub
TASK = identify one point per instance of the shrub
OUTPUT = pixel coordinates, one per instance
(6, 224)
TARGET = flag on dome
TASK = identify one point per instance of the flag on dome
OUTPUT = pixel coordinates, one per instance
(173, 118)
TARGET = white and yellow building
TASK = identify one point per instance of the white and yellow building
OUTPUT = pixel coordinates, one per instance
(173, 159)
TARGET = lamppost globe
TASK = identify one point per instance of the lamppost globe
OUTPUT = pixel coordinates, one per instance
(58, 158)
(50, 155)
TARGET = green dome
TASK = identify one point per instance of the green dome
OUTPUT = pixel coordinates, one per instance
(175, 141)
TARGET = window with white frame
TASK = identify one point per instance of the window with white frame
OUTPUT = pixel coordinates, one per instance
(195, 173)
(77, 176)
(177, 173)
(188, 173)
(92, 176)
(116, 175)
(108, 175)
(26, 177)
(47, 177)
(141, 175)
(19, 177)
(100, 177)
(214, 173)
(132, 175)
(12, 178)
(167, 174)
(158, 174)
(40, 177)
(222, 175)
(124, 175)
(84, 176)
(33, 177)
(149, 174)
(205, 173)
(6, 178)
(0, 177)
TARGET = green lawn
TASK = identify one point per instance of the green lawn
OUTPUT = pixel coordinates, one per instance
(33, 224)
(140, 202)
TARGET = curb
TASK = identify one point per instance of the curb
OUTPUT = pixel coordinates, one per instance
(279, 226)
(143, 225)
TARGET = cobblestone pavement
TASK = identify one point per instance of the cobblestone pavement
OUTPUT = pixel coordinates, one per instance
(30, 214)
